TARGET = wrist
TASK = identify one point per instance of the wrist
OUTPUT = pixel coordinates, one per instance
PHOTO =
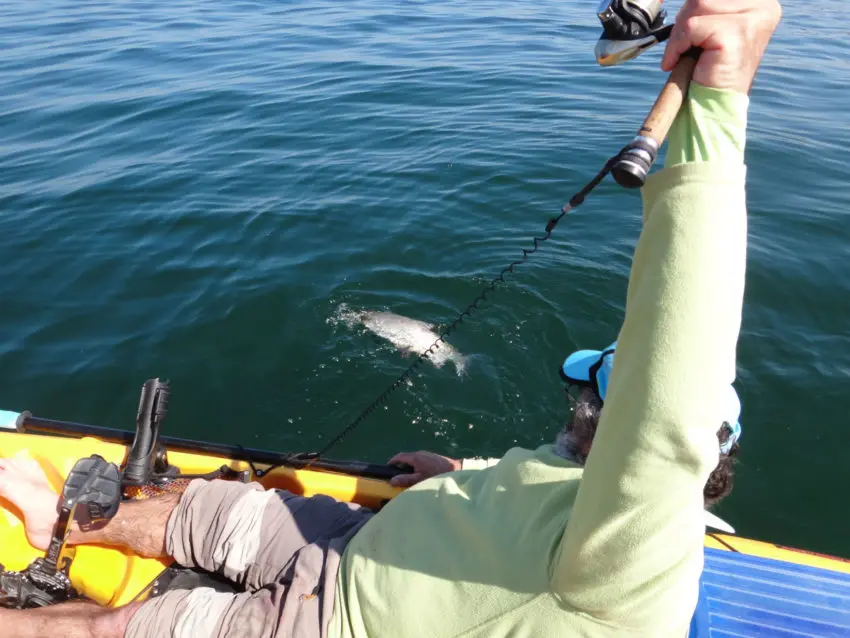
(87, 535)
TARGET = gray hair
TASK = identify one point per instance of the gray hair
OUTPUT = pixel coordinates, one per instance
(574, 440)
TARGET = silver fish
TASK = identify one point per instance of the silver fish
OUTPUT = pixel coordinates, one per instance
(412, 336)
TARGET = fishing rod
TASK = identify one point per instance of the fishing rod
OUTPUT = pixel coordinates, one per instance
(147, 450)
(629, 28)
(29, 424)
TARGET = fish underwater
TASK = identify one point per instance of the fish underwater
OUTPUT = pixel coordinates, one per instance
(412, 337)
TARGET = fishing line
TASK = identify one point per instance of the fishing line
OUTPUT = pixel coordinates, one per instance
(575, 201)
(630, 27)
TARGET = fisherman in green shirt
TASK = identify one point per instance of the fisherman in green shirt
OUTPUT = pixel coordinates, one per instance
(538, 544)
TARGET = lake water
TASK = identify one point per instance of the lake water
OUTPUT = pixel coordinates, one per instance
(197, 191)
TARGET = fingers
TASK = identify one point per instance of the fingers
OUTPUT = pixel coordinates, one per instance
(406, 480)
(706, 32)
(425, 465)
(682, 37)
(403, 457)
(728, 25)
(676, 46)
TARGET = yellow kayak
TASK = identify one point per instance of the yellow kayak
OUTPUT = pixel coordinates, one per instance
(112, 577)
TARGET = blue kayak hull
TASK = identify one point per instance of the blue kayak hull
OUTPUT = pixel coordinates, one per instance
(744, 595)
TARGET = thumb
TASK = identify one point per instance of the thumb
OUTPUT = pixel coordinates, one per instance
(406, 480)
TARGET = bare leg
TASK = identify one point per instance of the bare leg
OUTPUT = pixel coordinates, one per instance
(280, 547)
(24, 484)
(69, 620)
(139, 525)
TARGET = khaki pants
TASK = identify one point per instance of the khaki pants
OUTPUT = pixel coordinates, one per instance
(284, 550)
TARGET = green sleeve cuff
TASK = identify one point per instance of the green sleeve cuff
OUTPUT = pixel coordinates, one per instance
(711, 127)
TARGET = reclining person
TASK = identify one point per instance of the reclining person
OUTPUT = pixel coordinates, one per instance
(536, 545)
(590, 371)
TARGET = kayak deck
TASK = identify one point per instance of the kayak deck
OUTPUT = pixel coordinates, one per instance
(753, 588)
(756, 596)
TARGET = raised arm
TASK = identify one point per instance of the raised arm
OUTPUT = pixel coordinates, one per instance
(632, 551)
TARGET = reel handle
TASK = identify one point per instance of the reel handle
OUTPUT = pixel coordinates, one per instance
(636, 159)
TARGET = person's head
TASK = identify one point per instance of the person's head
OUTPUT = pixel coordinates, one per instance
(589, 371)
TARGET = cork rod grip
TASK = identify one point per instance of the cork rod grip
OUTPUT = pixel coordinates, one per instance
(637, 158)
(657, 124)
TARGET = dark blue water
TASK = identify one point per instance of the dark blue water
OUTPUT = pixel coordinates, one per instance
(192, 190)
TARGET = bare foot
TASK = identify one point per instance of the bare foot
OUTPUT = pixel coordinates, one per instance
(24, 484)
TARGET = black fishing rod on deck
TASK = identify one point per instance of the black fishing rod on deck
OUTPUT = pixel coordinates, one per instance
(145, 445)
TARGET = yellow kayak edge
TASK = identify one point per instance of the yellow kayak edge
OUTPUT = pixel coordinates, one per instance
(113, 577)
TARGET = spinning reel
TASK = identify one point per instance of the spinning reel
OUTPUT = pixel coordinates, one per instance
(630, 27)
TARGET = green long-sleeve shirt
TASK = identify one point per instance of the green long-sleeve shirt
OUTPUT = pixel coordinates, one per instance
(536, 545)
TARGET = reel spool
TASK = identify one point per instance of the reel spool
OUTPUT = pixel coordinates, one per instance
(624, 19)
